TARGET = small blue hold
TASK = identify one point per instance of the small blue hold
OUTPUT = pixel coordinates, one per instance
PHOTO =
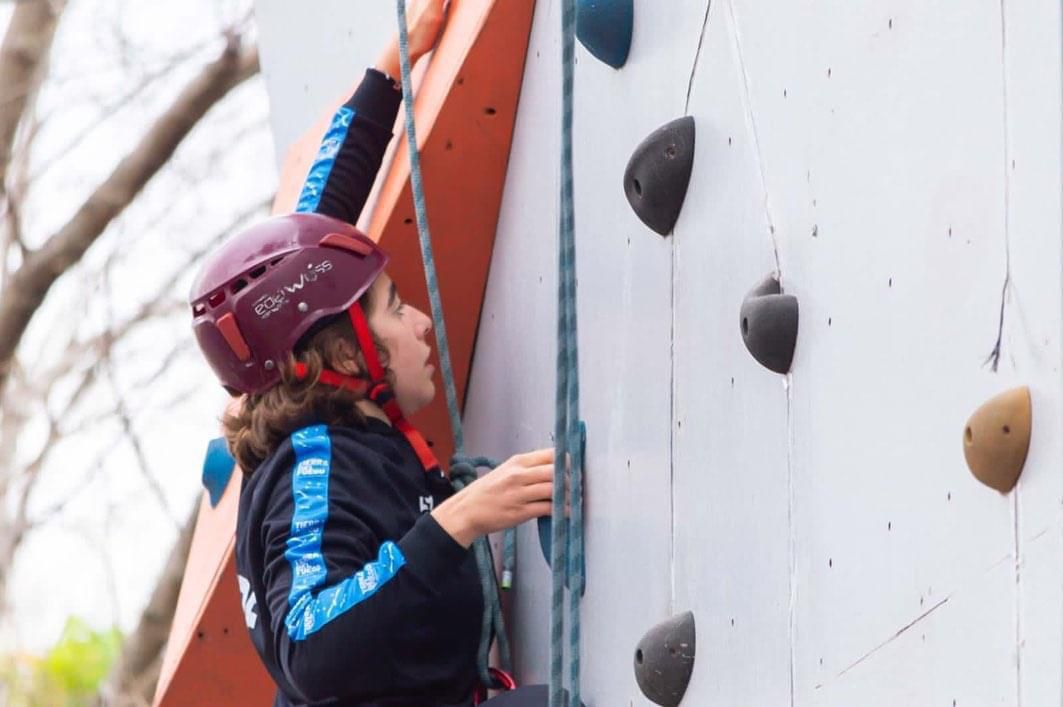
(605, 27)
(218, 467)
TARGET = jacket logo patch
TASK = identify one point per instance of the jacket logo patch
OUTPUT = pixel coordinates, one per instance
(427, 503)
(247, 601)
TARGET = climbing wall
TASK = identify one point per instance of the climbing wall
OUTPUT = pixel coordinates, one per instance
(898, 167)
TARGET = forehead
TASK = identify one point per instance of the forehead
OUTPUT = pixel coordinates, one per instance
(382, 280)
(382, 285)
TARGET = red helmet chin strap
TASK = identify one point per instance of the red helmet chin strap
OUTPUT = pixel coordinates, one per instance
(378, 390)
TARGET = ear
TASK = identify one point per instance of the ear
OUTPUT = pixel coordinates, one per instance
(350, 362)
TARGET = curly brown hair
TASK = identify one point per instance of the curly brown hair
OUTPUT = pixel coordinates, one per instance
(257, 425)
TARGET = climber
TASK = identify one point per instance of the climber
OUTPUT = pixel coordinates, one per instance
(352, 548)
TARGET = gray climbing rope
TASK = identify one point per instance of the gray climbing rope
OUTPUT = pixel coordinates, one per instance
(463, 470)
(567, 541)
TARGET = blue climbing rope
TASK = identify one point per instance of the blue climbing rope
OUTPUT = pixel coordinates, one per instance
(463, 470)
(567, 538)
(567, 542)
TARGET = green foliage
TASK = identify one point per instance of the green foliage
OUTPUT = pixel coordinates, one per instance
(68, 675)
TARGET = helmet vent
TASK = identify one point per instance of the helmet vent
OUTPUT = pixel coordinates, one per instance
(216, 298)
(257, 272)
(199, 309)
(276, 260)
(238, 285)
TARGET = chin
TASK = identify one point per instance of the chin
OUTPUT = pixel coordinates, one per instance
(414, 404)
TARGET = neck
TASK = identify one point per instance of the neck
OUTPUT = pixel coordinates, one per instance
(371, 409)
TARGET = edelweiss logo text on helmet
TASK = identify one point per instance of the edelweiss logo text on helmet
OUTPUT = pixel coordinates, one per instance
(273, 302)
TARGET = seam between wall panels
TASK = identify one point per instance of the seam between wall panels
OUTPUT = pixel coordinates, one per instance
(788, 380)
(995, 356)
(697, 58)
(673, 419)
(748, 101)
(673, 404)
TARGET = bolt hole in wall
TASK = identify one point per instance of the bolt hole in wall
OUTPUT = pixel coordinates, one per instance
(490, 111)
(638, 656)
(638, 187)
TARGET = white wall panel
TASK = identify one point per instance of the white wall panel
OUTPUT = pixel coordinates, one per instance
(312, 52)
(625, 289)
(1032, 72)
(886, 183)
(895, 161)
(732, 482)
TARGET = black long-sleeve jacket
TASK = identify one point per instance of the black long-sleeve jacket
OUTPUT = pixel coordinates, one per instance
(352, 592)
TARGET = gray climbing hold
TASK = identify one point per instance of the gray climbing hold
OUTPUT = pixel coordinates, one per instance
(769, 325)
(664, 660)
(658, 174)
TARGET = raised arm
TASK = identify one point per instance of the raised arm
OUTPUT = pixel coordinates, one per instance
(353, 147)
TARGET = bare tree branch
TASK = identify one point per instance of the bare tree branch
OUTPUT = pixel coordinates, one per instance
(119, 103)
(132, 680)
(24, 51)
(24, 292)
(160, 305)
(133, 438)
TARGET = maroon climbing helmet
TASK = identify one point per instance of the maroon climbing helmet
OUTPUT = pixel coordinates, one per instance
(256, 295)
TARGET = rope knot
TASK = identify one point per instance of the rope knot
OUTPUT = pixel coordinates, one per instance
(464, 470)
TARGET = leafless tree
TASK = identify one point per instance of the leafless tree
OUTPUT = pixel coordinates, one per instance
(65, 357)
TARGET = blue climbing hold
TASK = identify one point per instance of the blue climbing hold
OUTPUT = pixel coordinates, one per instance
(218, 467)
(546, 526)
(604, 27)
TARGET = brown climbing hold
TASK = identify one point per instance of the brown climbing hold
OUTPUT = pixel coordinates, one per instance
(997, 438)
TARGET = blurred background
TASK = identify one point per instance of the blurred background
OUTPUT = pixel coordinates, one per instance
(133, 136)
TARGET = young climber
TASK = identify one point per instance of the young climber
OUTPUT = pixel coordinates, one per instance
(352, 549)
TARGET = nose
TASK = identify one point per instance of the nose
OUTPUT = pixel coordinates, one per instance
(424, 325)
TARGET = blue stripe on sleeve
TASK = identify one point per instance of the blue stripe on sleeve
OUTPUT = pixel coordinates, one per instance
(308, 613)
(314, 187)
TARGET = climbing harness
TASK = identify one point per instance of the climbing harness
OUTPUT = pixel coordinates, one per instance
(462, 468)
